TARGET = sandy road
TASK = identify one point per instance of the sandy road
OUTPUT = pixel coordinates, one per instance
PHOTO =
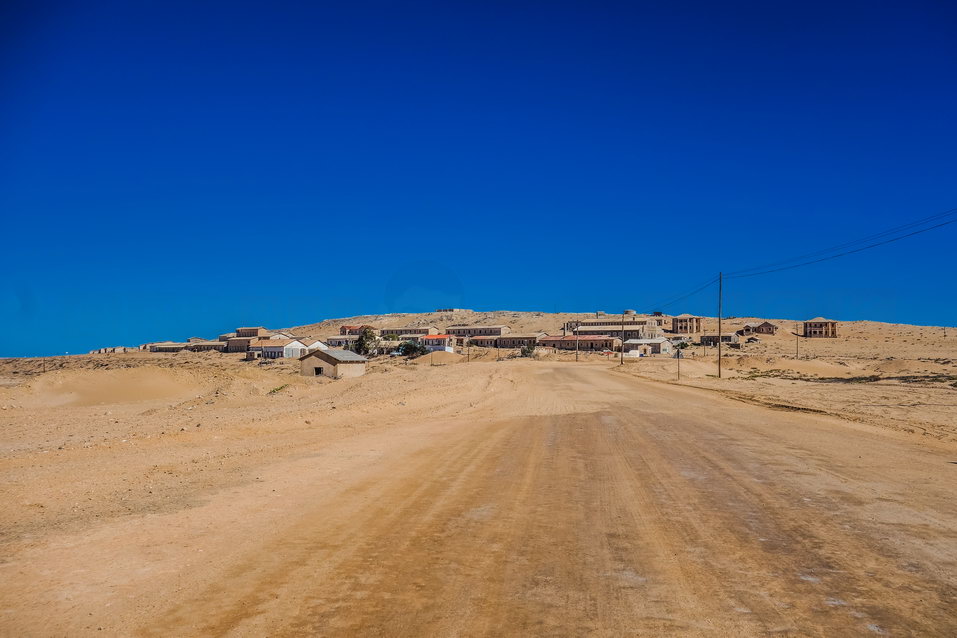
(614, 507)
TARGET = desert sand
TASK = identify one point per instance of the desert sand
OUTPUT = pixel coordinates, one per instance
(199, 495)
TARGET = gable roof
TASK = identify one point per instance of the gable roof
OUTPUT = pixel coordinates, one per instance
(334, 355)
(273, 343)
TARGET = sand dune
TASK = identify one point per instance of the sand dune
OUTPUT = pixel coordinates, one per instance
(98, 387)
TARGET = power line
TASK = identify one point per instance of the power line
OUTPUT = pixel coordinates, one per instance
(870, 238)
(847, 252)
(788, 265)
(661, 306)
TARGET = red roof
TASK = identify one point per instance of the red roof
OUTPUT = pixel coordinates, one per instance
(436, 337)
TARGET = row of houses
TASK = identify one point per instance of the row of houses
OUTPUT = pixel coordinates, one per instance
(686, 324)
(260, 341)
(602, 333)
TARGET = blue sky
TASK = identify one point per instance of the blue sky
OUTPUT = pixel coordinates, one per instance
(166, 165)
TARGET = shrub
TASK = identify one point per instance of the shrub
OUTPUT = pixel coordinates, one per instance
(411, 349)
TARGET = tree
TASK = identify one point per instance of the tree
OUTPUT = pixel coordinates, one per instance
(411, 349)
(528, 350)
(367, 342)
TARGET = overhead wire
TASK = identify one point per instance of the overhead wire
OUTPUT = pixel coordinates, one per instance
(684, 296)
(847, 248)
(771, 267)
(841, 254)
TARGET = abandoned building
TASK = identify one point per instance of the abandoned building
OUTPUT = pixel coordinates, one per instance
(686, 324)
(334, 363)
(410, 331)
(356, 330)
(341, 341)
(473, 331)
(484, 341)
(438, 342)
(258, 331)
(581, 342)
(712, 340)
(819, 327)
(519, 340)
(657, 345)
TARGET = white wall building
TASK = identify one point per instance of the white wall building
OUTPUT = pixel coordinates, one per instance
(278, 348)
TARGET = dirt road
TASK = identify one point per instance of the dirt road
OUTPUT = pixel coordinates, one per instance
(569, 501)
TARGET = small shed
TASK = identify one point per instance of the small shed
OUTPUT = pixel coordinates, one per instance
(658, 345)
(338, 364)
(712, 340)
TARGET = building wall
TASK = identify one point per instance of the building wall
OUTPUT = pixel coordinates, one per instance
(711, 340)
(202, 347)
(583, 345)
(338, 342)
(631, 331)
(470, 331)
(663, 347)
(251, 332)
(515, 342)
(350, 370)
(307, 368)
(438, 344)
(407, 330)
(629, 322)
(294, 350)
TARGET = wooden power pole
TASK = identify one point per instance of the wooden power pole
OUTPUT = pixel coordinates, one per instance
(622, 338)
(720, 291)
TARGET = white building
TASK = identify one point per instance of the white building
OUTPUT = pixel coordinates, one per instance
(438, 342)
(278, 348)
(314, 344)
(657, 345)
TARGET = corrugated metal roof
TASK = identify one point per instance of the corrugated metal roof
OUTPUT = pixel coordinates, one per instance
(343, 355)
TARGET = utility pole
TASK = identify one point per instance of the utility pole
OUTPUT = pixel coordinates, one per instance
(468, 356)
(720, 291)
(622, 338)
(576, 344)
(797, 346)
(678, 356)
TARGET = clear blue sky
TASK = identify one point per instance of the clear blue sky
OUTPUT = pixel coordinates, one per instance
(171, 169)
